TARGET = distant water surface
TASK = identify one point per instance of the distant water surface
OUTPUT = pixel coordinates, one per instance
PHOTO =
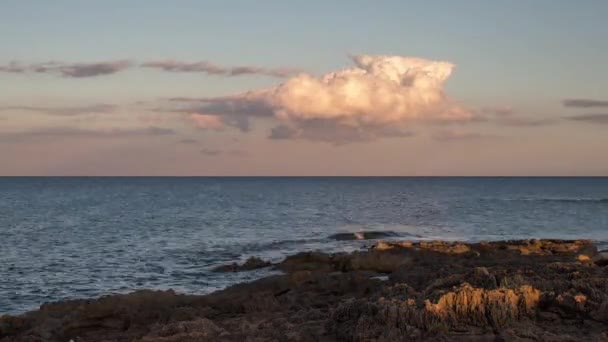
(84, 237)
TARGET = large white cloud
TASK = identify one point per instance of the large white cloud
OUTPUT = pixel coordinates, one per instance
(379, 96)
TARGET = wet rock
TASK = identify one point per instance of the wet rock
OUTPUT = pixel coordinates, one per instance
(378, 261)
(252, 263)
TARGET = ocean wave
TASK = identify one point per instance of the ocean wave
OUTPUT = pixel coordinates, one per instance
(369, 235)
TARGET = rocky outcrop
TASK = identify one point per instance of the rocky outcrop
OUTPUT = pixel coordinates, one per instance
(533, 290)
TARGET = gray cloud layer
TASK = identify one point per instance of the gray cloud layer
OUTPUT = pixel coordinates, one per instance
(69, 70)
(584, 103)
(507, 116)
(597, 118)
(82, 70)
(213, 69)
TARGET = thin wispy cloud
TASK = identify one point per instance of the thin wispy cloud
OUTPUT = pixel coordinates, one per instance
(459, 135)
(64, 132)
(69, 70)
(584, 103)
(214, 69)
(100, 108)
(83, 70)
(499, 111)
(188, 141)
(525, 122)
(329, 131)
(508, 116)
(595, 118)
(210, 152)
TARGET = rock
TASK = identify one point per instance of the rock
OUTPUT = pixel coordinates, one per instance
(583, 258)
(251, 264)
(396, 291)
(381, 246)
(308, 261)
(197, 330)
(601, 258)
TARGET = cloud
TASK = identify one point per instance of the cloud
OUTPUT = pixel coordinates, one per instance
(525, 122)
(500, 111)
(381, 96)
(63, 132)
(69, 70)
(13, 67)
(210, 152)
(596, 118)
(93, 69)
(82, 70)
(216, 152)
(100, 108)
(204, 121)
(329, 131)
(452, 135)
(507, 116)
(584, 103)
(213, 69)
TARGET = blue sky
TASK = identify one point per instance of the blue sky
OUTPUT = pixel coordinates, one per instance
(525, 55)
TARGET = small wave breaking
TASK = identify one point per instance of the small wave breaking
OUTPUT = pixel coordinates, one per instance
(366, 235)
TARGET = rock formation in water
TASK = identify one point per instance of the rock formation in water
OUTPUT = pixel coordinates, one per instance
(536, 290)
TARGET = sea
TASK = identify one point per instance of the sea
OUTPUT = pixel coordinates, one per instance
(67, 238)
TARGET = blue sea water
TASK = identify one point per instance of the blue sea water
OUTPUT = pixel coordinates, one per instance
(85, 237)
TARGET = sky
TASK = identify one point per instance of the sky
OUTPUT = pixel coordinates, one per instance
(319, 88)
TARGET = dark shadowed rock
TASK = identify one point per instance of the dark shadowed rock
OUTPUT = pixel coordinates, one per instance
(601, 258)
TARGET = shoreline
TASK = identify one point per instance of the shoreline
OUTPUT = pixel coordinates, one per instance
(547, 290)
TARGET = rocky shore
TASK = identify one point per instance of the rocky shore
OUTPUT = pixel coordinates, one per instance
(533, 290)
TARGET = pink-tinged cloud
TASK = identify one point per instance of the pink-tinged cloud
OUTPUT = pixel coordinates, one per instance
(213, 69)
(379, 97)
(204, 121)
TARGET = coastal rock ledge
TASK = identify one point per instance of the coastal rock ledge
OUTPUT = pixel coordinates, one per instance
(532, 290)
